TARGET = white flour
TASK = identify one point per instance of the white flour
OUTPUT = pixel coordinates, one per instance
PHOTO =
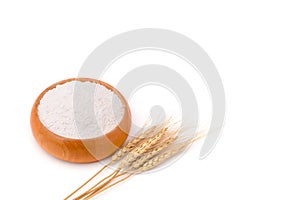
(96, 109)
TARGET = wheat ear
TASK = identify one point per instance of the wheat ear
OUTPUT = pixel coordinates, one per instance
(151, 163)
(142, 134)
(140, 154)
(142, 148)
(157, 160)
(154, 151)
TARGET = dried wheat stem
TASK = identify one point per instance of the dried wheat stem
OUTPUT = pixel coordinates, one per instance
(96, 190)
(109, 186)
(97, 186)
(119, 154)
(93, 190)
(151, 162)
(104, 167)
(149, 149)
(102, 180)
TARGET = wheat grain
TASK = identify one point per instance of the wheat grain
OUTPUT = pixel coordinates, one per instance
(139, 162)
(157, 160)
(142, 134)
(170, 137)
(131, 144)
(142, 147)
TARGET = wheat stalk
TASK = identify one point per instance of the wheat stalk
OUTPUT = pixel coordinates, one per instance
(143, 145)
(142, 135)
(151, 163)
(98, 185)
(149, 149)
(109, 186)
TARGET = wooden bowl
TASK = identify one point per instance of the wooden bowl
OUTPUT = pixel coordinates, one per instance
(80, 150)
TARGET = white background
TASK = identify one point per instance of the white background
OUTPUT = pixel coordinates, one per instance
(255, 46)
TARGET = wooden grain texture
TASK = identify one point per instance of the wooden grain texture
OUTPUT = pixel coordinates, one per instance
(80, 150)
